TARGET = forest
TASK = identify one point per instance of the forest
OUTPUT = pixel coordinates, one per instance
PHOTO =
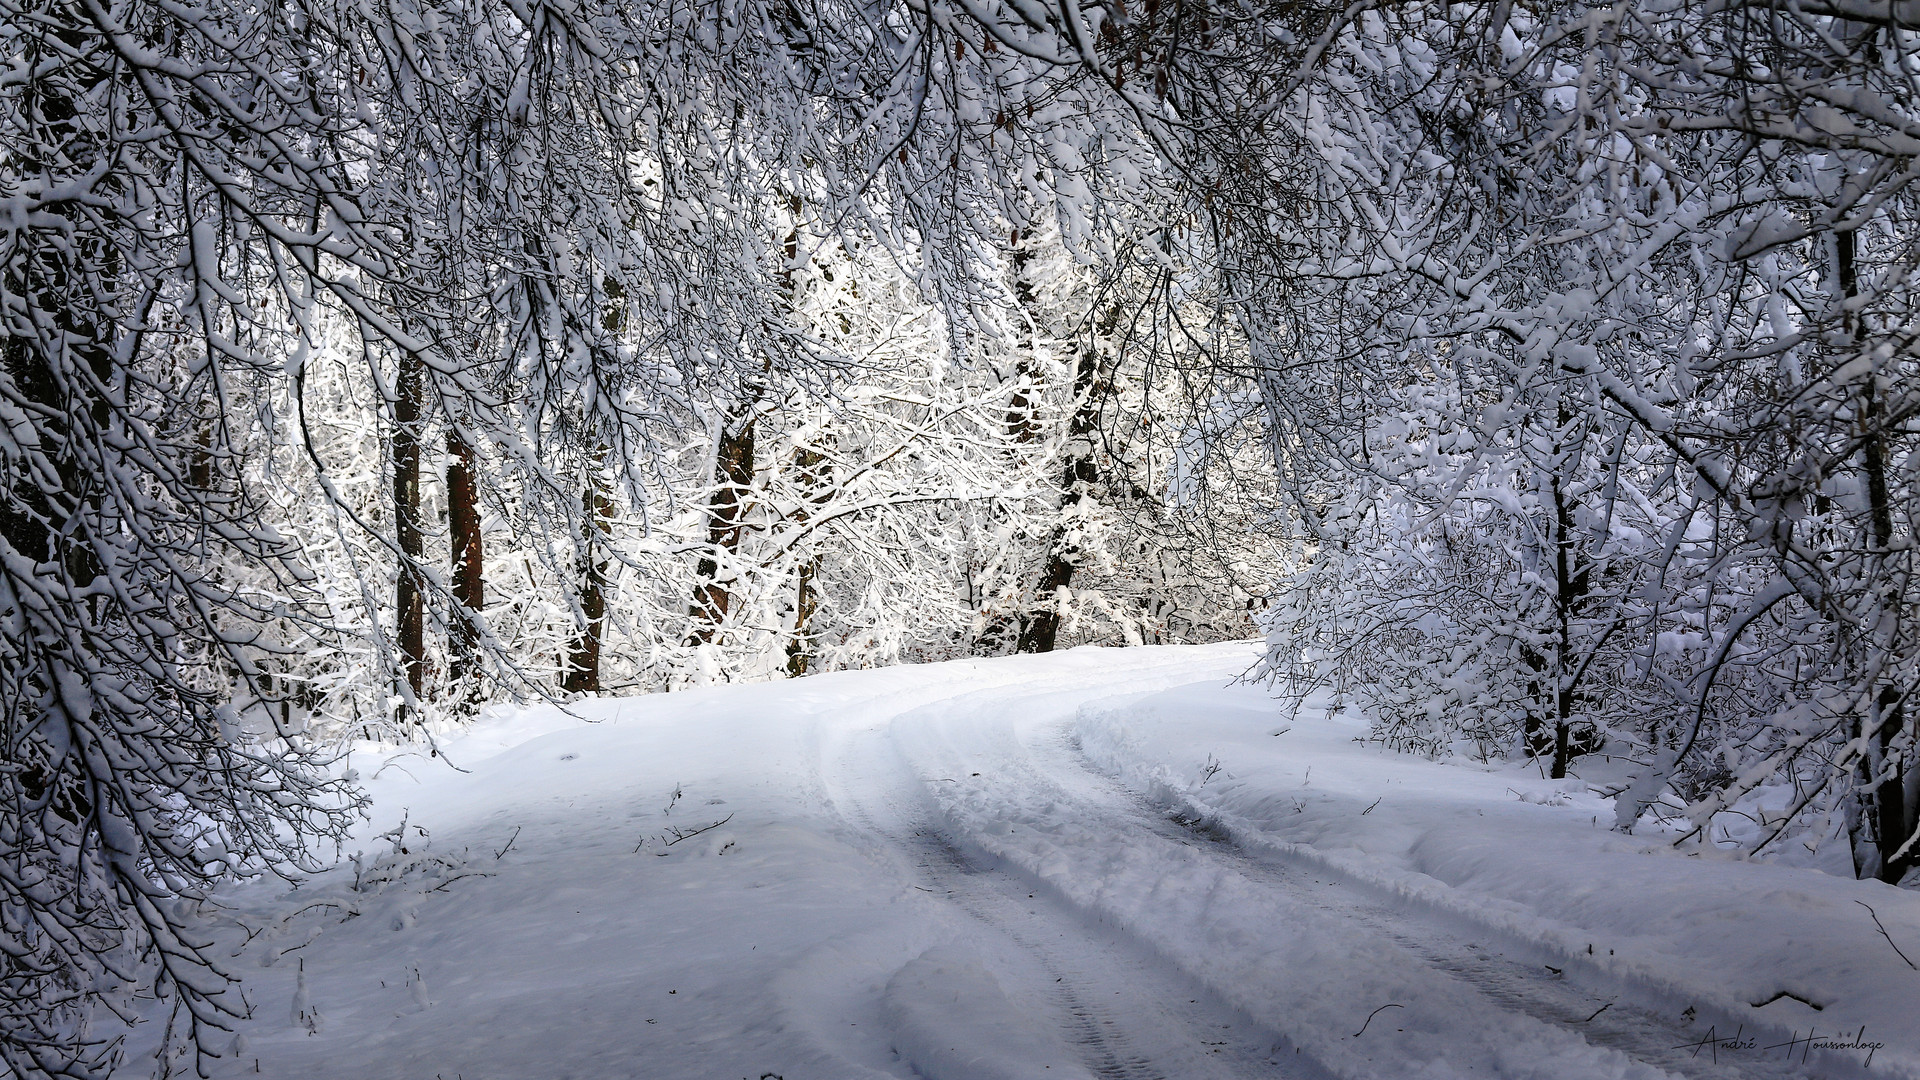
(1538, 380)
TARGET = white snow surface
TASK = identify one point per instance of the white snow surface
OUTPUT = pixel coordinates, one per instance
(950, 1018)
(1099, 863)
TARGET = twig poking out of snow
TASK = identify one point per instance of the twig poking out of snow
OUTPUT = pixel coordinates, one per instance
(498, 855)
(1884, 934)
(304, 1014)
(417, 988)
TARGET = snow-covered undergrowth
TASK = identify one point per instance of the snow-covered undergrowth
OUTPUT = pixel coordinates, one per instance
(930, 871)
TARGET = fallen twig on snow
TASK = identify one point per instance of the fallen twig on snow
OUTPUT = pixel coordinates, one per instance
(680, 834)
(1374, 1013)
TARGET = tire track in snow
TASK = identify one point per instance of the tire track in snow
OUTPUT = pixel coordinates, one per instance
(1600, 1017)
(998, 902)
(1276, 953)
(1133, 1016)
(1046, 765)
(1105, 1050)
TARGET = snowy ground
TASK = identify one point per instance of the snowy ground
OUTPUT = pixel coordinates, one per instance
(1101, 863)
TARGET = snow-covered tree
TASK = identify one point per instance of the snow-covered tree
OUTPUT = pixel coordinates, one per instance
(1665, 245)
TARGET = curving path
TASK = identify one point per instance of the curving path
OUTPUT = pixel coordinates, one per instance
(906, 873)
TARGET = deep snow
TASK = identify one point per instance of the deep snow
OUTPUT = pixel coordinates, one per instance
(1098, 863)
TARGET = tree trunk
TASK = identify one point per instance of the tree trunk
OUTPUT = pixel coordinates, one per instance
(1535, 730)
(1569, 590)
(1893, 813)
(409, 602)
(583, 655)
(733, 475)
(55, 526)
(733, 468)
(1555, 695)
(200, 465)
(1886, 815)
(464, 545)
(813, 473)
(27, 515)
(1040, 624)
(1023, 428)
(805, 603)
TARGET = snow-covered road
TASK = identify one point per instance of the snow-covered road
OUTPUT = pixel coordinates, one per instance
(1092, 864)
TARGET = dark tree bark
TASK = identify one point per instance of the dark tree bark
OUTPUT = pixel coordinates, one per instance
(1894, 811)
(805, 603)
(1885, 816)
(1040, 626)
(813, 469)
(1023, 428)
(409, 602)
(1553, 693)
(1021, 423)
(733, 470)
(464, 544)
(733, 475)
(200, 466)
(1570, 580)
(583, 655)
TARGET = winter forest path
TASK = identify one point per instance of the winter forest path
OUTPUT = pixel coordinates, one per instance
(1305, 973)
(1123, 1010)
(925, 872)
